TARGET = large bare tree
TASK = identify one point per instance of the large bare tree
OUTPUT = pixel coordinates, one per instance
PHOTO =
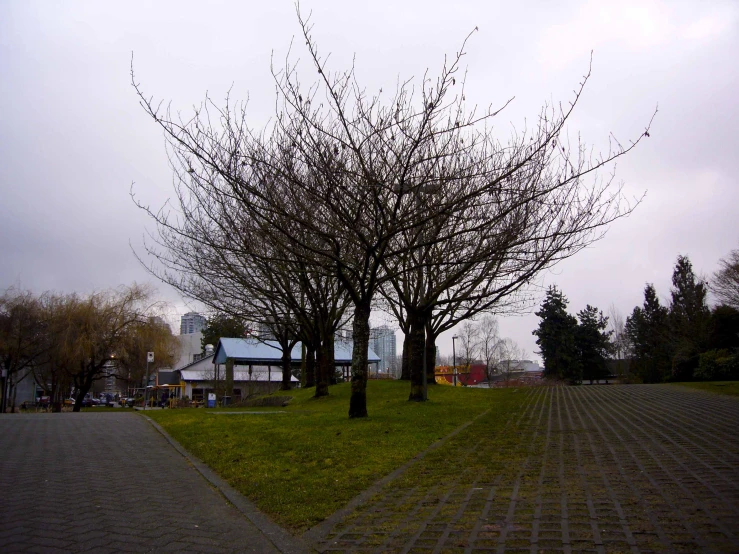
(366, 187)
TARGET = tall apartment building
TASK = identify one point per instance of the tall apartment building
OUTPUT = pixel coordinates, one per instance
(382, 341)
(191, 322)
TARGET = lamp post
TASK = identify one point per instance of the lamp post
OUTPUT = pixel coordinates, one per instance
(149, 358)
(454, 359)
(425, 376)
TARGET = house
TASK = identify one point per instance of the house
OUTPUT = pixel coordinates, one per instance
(257, 368)
(253, 352)
(203, 376)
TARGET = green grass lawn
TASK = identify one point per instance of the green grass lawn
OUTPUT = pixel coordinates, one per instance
(721, 387)
(302, 465)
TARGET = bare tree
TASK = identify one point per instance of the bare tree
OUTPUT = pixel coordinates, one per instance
(368, 189)
(221, 257)
(725, 282)
(618, 332)
(510, 354)
(468, 336)
(489, 345)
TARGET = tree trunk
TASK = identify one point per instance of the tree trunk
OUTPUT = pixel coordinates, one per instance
(287, 354)
(361, 332)
(3, 389)
(417, 346)
(81, 393)
(310, 365)
(405, 368)
(12, 402)
(325, 363)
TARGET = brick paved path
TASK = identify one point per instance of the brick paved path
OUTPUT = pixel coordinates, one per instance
(603, 468)
(108, 482)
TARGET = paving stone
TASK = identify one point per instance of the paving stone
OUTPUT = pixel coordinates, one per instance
(99, 481)
(636, 468)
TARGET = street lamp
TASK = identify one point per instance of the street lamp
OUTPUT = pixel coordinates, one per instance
(425, 376)
(454, 359)
(149, 359)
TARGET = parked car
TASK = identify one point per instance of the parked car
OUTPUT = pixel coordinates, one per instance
(88, 401)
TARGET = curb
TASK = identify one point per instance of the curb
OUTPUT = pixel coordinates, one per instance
(279, 537)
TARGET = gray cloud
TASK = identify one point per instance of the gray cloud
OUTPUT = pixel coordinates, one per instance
(73, 139)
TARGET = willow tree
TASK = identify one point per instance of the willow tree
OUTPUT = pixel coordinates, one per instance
(88, 332)
(354, 183)
(149, 333)
(21, 339)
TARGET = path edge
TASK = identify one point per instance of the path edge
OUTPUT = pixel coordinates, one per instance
(278, 536)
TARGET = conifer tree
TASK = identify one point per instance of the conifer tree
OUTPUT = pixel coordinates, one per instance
(689, 319)
(593, 343)
(556, 338)
(648, 330)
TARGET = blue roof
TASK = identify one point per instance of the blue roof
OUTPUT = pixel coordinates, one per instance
(269, 352)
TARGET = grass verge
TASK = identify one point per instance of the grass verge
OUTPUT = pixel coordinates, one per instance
(730, 388)
(301, 463)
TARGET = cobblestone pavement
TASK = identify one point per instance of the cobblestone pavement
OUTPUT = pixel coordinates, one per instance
(635, 468)
(108, 482)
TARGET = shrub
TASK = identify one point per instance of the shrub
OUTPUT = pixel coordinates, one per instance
(718, 364)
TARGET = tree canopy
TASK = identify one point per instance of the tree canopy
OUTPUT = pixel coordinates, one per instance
(221, 325)
(593, 343)
(556, 338)
(725, 281)
(408, 193)
(70, 341)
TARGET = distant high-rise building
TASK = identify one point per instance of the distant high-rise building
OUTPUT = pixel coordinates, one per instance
(382, 342)
(191, 322)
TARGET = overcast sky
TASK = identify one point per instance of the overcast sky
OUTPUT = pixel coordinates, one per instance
(73, 139)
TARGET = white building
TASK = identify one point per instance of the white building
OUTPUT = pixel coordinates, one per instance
(202, 376)
(519, 366)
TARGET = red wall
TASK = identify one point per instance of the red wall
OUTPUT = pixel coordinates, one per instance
(475, 376)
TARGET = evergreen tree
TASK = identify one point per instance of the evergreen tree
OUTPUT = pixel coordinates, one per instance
(648, 331)
(724, 329)
(689, 319)
(556, 338)
(221, 325)
(593, 343)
